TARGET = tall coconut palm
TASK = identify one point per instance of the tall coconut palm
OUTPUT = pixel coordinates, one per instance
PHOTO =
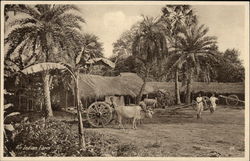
(177, 17)
(42, 34)
(149, 47)
(193, 48)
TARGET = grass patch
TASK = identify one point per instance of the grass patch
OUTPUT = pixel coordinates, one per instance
(153, 145)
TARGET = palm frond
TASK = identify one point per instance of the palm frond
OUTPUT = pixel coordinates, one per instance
(23, 21)
(61, 9)
(69, 20)
(42, 67)
(16, 36)
(43, 8)
(31, 11)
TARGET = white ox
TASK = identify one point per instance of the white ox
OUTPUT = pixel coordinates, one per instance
(135, 112)
(150, 102)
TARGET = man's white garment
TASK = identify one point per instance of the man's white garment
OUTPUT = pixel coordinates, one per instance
(213, 102)
(199, 105)
(199, 101)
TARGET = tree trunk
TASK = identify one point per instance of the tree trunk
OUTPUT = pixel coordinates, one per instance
(79, 114)
(46, 89)
(177, 88)
(139, 97)
(188, 90)
(66, 99)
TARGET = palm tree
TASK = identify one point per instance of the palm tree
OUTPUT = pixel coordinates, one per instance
(177, 17)
(149, 47)
(42, 35)
(92, 46)
(194, 51)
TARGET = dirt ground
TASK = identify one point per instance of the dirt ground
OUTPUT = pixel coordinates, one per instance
(220, 134)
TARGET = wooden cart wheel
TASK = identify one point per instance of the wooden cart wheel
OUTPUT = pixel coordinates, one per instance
(99, 114)
(194, 105)
(232, 100)
(206, 102)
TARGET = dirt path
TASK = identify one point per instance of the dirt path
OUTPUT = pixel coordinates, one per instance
(218, 134)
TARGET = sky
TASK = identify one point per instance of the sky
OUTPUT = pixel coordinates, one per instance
(108, 22)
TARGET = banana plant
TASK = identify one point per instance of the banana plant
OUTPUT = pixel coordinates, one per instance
(74, 71)
(8, 127)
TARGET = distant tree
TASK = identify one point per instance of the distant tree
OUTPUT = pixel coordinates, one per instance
(122, 48)
(230, 68)
(124, 64)
(92, 46)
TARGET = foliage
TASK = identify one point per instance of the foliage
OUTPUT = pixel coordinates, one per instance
(149, 48)
(194, 46)
(43, 67)
(123, 46)
(176, 18)
(230, 68)
(57, 138)
(93, 46)
(127, 64)
(165, 99)
(127, 150)
(149, 45)
(194, 52)
(46, 33)
(9, 130)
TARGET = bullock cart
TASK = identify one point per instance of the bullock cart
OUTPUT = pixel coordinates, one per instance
(99, 114)
(232, 100)
(95, 92)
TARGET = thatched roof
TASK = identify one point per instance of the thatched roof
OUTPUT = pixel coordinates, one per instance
(237, 88)
(165, 86)
(93, 86)
(98, 86)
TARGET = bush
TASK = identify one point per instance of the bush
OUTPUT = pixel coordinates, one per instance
(57, 138)
(127, 150)
(40, 138)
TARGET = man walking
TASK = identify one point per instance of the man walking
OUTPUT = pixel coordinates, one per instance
(213, 100)
(199, 103)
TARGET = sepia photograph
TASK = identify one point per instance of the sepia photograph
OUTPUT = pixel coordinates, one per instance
(120, 79)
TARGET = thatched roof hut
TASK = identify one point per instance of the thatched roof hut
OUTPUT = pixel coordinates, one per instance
(236, 88)
(165, 86)
(92, 86)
